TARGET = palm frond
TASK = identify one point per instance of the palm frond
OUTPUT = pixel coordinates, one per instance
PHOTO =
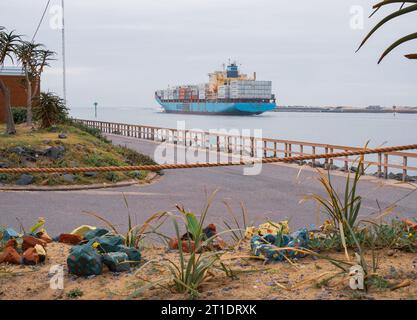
(397, 43)
(385, 20)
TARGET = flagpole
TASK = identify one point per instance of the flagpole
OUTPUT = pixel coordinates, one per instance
(64, 71)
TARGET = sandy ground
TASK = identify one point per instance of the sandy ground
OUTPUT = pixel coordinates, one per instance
(305, 280)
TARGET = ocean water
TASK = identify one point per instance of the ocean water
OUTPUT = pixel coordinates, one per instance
(332, 128)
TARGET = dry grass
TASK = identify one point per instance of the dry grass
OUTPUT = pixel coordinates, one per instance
(307, 279)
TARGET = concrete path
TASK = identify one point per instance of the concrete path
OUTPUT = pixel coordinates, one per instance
(274, 194)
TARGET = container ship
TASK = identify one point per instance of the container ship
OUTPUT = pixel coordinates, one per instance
(228, 92)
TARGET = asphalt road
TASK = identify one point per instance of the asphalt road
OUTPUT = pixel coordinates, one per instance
(274, 194)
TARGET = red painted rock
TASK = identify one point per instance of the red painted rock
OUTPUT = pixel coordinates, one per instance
(44, 236)
(187, 246)
(72, 239)
(173, 244)
(411, 224)
(10, 255)
(31, 242)
(30, 257)
(12, 243)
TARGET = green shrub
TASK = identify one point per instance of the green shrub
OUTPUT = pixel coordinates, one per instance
(112, 176)
(19, 115)
(75, 293)
(392, 235)
(134, 158)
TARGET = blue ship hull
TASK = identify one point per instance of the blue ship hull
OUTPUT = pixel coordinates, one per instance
(217, 108)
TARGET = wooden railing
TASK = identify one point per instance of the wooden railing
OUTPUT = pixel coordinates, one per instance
(402, 162)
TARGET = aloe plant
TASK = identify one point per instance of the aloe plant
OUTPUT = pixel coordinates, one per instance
(49, 110)
(193, 269)
(405, 8)
(343, 210)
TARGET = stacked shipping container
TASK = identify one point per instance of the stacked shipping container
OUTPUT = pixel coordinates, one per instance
(238, 89)
(250, 89)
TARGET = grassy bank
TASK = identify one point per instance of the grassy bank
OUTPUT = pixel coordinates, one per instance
(65, 146)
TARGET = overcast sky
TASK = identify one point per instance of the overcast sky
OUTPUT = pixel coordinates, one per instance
(120, 51)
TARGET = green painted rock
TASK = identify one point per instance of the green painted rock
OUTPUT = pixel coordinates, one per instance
(95, 233)
(132, 253)
(84, 261)
(116, 261)
(107, 243)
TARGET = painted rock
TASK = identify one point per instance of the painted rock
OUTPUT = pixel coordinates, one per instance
(31, 242)
(30, 257)
(10, 255)
(72, 239)
(44, 236)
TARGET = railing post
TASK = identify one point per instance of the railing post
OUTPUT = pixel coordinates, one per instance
(331, 160)
(242, 144)
(405, 160)
(386, 166)
(234, 147)
(313, 162)
(379, 165)
(252, 147)
(286, 150)
(326, 160)
(346, 162)
(301, 150)
(275, 149)
(265, 149)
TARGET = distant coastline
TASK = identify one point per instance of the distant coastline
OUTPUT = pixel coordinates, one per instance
(370, 109)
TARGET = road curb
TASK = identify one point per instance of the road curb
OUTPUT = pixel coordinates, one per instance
(150, 178)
